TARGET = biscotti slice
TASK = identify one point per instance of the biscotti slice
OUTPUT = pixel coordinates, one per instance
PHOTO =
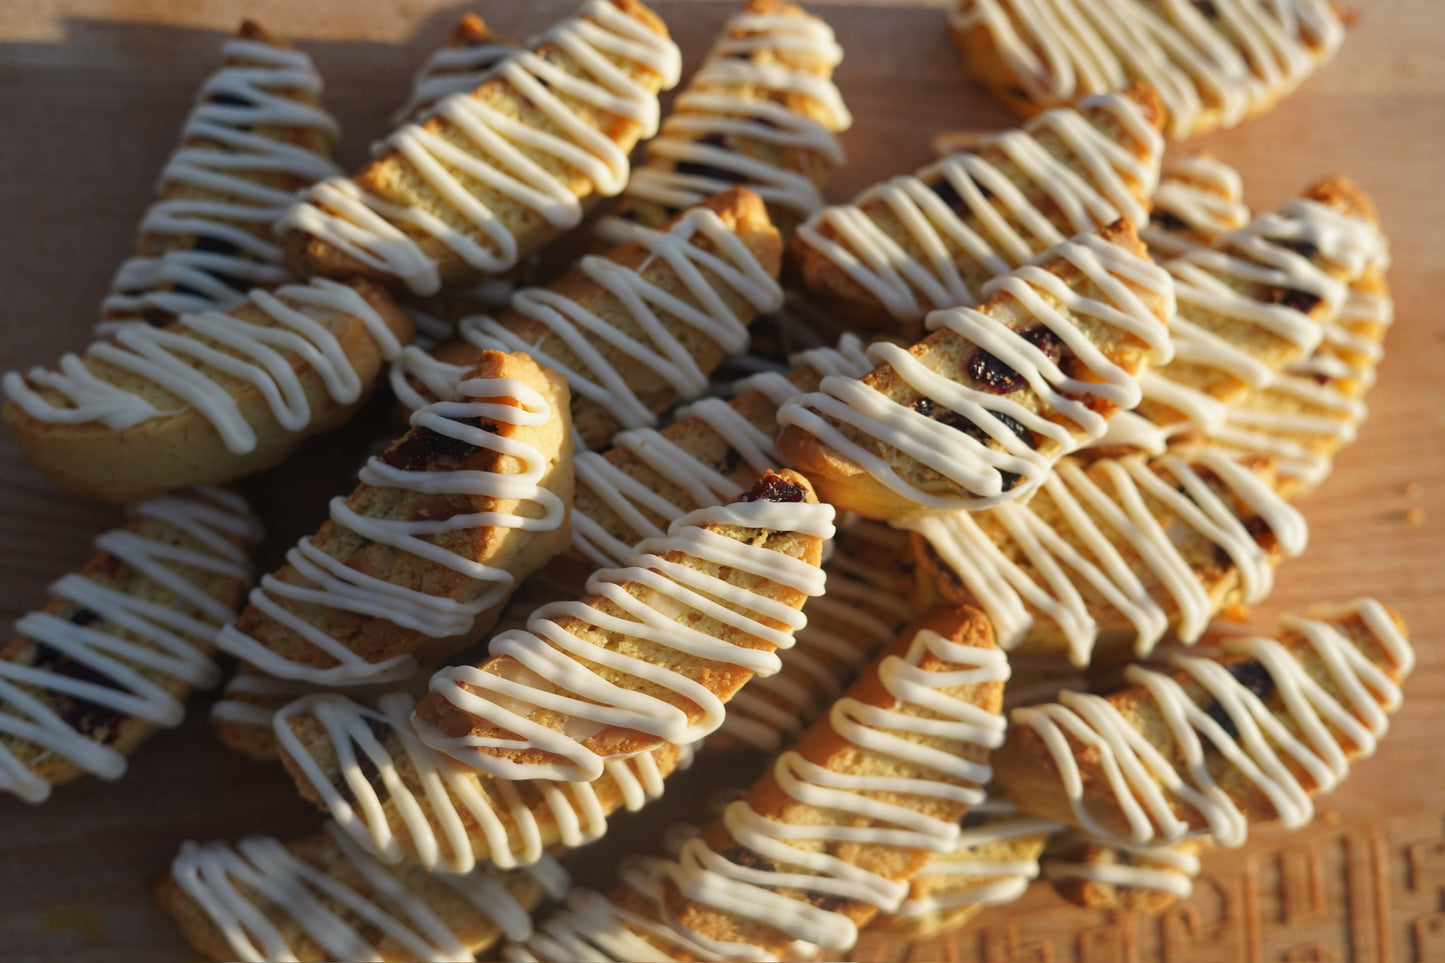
(427, 549)
(122, 642)
(323, 898)
(1147, 880)
(831, 833)
(1106, 558)
(1213, 746)
(256, 135)
(976, 413)
(1309, 411)
(637, 329)
(1213, 64)
(761, 112)
(1257, 299)
(1200, 198)
(491, 175)
(460, 65)
(651, 654)
(930, 240)
(404, 801)
(993, 861)
(209, 397)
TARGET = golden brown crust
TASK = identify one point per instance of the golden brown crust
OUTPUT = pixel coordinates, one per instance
(515, 550)
(395, 179)
(183, 448)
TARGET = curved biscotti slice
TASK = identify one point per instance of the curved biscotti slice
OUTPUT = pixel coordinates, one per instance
(1311, 409)
(977, 412)
(429, 546)
(1147, 880)
(122, 642)
(638, 328)
(1214, 745)
(256, 136)
(467, 58)
(761, 111)
(404, 801)
(651, 654)
(831, 833)
(1212, 64)
(1200, 198)
(993, 861)
(930, 240)
(323, 898)
(1258, 299)
(207, 398)
(1105, 559)
(491, 175)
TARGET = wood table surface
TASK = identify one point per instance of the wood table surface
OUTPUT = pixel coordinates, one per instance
(91, 97)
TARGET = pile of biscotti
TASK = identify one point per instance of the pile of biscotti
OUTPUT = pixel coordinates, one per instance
(944, 506)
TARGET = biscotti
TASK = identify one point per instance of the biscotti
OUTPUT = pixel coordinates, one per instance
(651, 654)
(491, 175)
(1213, 746)
(427, 549)
(832, 831)
(635, 330)
(322, 898)
(109, 659)
(461, 64)
(208, 398)
(977, 412)
(931, 240)
(257, 134)
(1212, 64)
(761, 112)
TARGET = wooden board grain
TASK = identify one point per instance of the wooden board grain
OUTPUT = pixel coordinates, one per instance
(91, 97)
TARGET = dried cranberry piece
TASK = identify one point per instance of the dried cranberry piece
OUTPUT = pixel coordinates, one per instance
(422, 447)
(999, 378)
(775, 488)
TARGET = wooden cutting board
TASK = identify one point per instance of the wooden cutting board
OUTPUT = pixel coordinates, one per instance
(91, 96)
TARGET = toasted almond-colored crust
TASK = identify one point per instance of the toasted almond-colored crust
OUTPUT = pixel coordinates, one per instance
(743, 213)
(474, 929)
(721, 679)
(1025, 771)
(824, 279)
(987, 64)
(395, 179)
(123, 733)
(154, 244)
(822, 745)
(515, 550)
(845, 483)
(184, 448)
(802, 160)
(1212, 568)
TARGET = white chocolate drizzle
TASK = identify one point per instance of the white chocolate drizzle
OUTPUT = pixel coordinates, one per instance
(960, 459)
(503, 153)
(531, 665)
(134, 643)
(260, 86)
(1210, 70)
(327, 582)
(1199, 199)
(1169, 869)
(1095, 188)
(731, 95)
(1313, 732)
(922, 727)
(390, 818)
(455, 68)
(1109, 504)
(296, 333)
(239, 887)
